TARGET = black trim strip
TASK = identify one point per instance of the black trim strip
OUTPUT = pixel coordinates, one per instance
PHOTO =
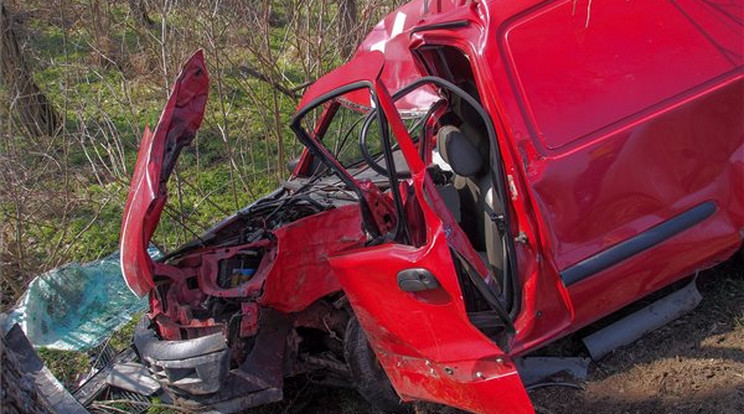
(439, 26)
(314, 147)
(637, 244)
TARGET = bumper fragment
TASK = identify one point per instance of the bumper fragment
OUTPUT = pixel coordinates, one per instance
(134, 377)
(197, 375)
(197, 366)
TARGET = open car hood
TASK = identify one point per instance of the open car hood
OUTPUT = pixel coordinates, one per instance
(157, 156)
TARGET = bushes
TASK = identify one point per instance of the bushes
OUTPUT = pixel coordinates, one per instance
(106, 71)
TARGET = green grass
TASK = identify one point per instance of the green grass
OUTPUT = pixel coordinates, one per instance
(67, 366)
(77, 216)
(122, 338)
(70, 366)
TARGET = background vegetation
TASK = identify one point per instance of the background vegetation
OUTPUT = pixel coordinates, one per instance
(80, 80)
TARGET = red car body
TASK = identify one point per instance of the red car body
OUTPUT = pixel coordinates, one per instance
(619, 139)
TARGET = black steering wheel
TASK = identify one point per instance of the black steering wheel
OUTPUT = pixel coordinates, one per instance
(370, 159)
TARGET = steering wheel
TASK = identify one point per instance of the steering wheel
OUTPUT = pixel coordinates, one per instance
(371, 160)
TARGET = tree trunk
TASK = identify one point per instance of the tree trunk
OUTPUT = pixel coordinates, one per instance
(347, 10)
(35, 113)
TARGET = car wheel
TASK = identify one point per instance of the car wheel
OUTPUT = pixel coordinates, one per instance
(366, 372)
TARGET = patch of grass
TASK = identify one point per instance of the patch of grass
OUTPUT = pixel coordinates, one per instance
(122, 338)
(739, 321)
(158, 408)
(67, 366)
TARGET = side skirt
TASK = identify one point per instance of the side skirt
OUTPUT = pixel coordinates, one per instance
(641, 322)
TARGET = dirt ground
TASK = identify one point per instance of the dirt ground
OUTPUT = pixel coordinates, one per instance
(693, 365)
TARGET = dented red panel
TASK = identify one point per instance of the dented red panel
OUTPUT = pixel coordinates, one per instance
(424, 340)
(392, 37)
(158, 152)
(302, 274)
(366, 66)
(636, 121)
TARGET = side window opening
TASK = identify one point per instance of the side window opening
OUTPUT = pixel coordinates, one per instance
(362, 163)
(463, 132)
(468, 189)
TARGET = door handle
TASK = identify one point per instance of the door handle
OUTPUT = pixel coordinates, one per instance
(416, 280)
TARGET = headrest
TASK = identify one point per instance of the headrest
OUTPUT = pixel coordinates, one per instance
(457, 150)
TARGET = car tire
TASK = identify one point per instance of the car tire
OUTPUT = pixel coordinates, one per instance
(366, 372)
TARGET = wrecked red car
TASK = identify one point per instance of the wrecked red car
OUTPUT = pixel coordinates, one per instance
(479, 180)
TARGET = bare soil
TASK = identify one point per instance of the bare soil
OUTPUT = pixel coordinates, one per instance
(693, 365)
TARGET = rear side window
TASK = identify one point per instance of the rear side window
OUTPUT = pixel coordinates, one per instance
(579, 68)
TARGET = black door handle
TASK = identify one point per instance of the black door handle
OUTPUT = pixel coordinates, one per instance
(416, 280)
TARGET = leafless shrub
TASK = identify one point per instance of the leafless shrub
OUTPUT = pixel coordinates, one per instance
(68, 142)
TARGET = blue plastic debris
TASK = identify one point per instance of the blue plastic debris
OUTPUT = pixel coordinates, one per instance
(76, 306)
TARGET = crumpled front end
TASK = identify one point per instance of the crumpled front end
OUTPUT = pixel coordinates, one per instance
(201, 374)
(224, 308)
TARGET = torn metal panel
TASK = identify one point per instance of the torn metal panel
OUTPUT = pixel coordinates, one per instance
(134, 377)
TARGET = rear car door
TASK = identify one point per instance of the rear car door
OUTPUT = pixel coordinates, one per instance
(634, 113)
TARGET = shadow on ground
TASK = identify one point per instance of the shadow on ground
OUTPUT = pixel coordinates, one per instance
(693, 365)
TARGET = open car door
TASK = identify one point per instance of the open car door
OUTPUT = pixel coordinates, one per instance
(407, 292)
